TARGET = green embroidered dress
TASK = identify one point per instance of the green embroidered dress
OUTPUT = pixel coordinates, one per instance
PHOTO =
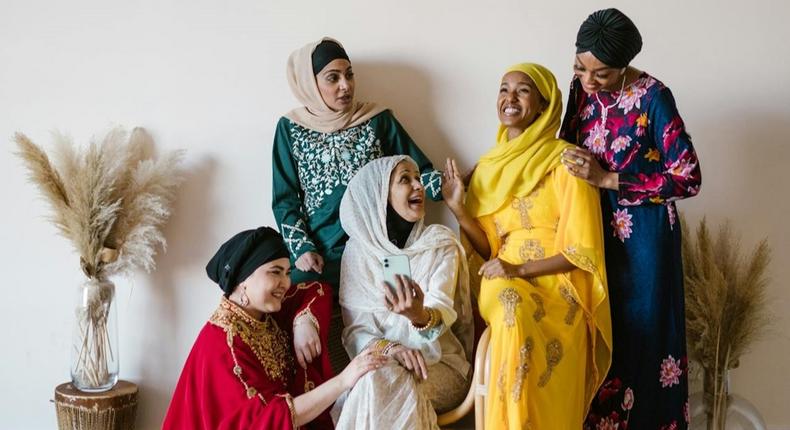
(310, 172)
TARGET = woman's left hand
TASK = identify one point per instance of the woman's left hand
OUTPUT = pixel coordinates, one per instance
(406, 298)
(307, 343)
(497, 268)
(581, 163)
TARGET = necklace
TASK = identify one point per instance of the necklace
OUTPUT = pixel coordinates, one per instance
(605, 109)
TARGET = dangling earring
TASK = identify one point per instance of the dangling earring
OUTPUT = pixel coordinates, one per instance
(244, 299)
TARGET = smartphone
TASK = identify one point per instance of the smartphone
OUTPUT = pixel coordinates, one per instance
(393, 265)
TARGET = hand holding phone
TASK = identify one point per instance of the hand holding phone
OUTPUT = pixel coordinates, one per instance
(394, 265)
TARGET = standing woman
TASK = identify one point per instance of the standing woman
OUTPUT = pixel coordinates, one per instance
(317, 149)
(633, 145)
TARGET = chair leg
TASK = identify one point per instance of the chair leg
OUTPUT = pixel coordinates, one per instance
(474, 396)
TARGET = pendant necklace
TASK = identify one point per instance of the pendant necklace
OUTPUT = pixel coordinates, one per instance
(605, 109)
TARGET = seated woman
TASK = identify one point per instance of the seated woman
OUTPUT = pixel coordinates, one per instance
(543, 291)
(240, 372)
(423, 322)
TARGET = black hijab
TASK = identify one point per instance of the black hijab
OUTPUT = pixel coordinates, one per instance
(242, 254)
(611, 36)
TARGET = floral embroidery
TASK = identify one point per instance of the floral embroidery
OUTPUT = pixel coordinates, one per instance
(432, 181)
(686, 413)
(672, 426)
(596, 141)
(531, 250)
(525, 354)
(540, 311)
(325, 161)
(621, 143)
(622, 224)
(266, 340)
(670, 372)
(567, 294)
(295, 237)
(553, 357)
(509, 299)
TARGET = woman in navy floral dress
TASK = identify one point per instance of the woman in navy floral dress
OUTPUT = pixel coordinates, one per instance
(633, 145)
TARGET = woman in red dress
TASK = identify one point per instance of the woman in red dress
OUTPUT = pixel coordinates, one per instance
(240, 373)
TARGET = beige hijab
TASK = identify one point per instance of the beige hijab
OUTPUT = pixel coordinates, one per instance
(315, 114)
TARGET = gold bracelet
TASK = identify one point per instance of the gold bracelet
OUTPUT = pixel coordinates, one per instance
(433, 320)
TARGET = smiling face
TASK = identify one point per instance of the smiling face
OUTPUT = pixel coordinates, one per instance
(267, 285)
(519, 102)
(336, 84)
(596, 76)
(407, 195)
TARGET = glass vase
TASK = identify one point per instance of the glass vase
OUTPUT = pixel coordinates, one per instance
(94, 349)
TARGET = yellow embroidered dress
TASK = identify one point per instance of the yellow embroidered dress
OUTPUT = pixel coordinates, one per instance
(550, 335)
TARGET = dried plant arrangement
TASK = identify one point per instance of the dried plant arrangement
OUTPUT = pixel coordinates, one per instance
(726, 312)
(110, 200)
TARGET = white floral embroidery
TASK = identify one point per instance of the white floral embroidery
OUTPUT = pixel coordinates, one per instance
(326, 161)
(432, 181)
(295, 237)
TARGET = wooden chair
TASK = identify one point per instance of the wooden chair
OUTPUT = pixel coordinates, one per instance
(477, 389)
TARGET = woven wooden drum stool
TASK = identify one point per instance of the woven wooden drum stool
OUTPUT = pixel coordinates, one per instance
(111, 410)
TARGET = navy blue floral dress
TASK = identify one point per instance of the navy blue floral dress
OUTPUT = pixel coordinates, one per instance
(640, 135)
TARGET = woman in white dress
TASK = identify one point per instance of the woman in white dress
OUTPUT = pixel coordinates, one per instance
(423, 322)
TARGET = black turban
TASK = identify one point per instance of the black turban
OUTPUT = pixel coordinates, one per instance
(237, 258)
(326, 52)
(611, 36)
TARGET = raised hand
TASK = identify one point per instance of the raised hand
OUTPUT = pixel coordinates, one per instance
(453, 186)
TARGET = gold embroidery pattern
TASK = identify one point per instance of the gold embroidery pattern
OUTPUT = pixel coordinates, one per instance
(553, 357)
(500, 232)
(523, 205)
(567, 294)
(531, 250)
(540, 310)
(509, 299)
(266, 340)
(305, 286)
(581, 260)
(500, 383)
(525, 355)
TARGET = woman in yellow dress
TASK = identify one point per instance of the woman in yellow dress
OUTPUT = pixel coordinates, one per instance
(543, 291)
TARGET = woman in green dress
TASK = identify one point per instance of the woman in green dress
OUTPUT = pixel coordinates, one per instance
(317, 149)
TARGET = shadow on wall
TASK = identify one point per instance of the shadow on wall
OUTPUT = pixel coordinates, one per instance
(187, 234)
(407, 90)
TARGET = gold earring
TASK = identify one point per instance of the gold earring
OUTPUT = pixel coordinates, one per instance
(245, 300)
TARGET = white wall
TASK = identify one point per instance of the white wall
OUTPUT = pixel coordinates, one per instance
(209, 76)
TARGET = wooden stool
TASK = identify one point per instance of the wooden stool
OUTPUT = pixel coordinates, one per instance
(110, 410)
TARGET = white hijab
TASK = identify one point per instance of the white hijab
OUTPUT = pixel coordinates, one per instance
(363, 215)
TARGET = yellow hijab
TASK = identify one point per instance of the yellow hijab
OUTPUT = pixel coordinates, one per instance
(315, 114)
(514, 167)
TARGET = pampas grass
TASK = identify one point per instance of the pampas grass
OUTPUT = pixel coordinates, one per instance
(110, 200)
(725, 306)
